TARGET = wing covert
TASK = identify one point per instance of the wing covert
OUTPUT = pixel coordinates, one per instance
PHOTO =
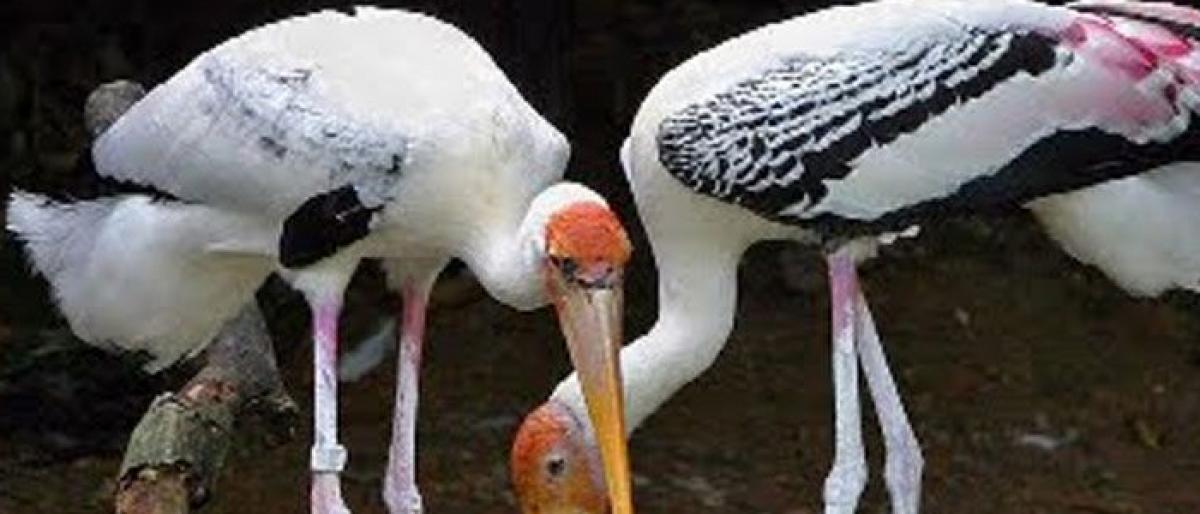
(252, 130)
(771, 142)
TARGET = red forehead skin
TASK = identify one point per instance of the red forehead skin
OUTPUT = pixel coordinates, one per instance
(588, 232)
(540, 432)
(552, 429)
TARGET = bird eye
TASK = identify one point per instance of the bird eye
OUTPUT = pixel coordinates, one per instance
(567, 265)
(555, 466)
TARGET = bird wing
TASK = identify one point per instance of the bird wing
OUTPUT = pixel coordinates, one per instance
(254, 133)
(304, 106)
(976, 108)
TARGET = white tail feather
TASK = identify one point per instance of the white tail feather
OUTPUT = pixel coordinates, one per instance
(56, 235)
(134, 273)
(1143, 231)
(369, 354)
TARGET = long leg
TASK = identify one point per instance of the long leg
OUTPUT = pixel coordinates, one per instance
(848, 476)
(903, 464)
(328, 456)
(400, 491)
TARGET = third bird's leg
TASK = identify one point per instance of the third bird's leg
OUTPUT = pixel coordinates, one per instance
(328, 456)
(848, 476)
(400, 491)
(903, 464)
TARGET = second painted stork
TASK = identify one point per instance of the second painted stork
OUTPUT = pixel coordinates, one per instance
(844, 128)
(302, 147)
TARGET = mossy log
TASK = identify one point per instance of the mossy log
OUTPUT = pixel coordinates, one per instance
(175, 454)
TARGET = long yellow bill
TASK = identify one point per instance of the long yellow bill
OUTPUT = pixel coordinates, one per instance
(590, 316)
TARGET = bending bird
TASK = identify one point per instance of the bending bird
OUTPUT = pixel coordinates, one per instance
(844, 129)
(302, 147)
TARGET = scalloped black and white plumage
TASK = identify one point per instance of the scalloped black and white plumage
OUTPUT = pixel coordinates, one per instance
(840, 143)
(841, 128)
(770, 142)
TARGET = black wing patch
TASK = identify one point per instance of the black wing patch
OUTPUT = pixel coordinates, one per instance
(1063, 162)
(770, 142)
(322, 225)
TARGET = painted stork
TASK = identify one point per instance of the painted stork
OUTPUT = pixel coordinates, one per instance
(844, 128)
(302, 147)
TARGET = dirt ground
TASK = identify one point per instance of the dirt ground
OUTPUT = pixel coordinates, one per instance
(1035, 387)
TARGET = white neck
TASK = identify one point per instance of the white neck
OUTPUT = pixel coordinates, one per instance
(508, 260)
(509, 267)
(697, 300)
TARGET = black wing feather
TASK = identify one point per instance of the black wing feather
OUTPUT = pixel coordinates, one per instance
(771, 142)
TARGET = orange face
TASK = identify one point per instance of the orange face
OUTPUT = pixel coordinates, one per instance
(587, 242)
(554, 471)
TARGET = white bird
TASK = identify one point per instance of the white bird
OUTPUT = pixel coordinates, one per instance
(304, 146)
(846, 127)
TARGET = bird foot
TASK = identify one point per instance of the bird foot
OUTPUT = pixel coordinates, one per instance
(326, 495)
(840, 508)
(844, 487)
(902, 472)
(403, 503)
(401, 498)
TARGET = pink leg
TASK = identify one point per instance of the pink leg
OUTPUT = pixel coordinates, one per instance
(903, 462)
(400, 491)
(328, 457)
(848, 475)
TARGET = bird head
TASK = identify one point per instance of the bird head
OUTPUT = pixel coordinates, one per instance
(583, 252)
(585, 244)
(555, 464)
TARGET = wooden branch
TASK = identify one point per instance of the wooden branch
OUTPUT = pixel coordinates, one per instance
(108, 102)
(176, 452)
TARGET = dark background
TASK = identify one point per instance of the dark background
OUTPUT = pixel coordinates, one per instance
(997, 338)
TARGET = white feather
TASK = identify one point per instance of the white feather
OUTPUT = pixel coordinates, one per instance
(1143, 231)
(134, 273)
(369, 353)
(295, 108)
(882, 25)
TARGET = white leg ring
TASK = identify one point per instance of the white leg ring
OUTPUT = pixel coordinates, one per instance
(329, 459)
